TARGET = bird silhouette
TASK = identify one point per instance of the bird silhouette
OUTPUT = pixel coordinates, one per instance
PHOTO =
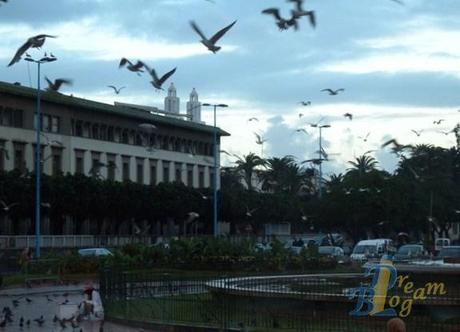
(302, 130)
(6, 207)
(417, 132)
(158, 82)
(333, 92)
(299, 12)
(115, 89)
(282, 23)
(445, 132)
(349, 116)
(365, 137)
(253, 119)
(305, 103)
(300, 115)
(211, 42)
(136, 68)
(33, 42)
(56, 85)
(438, 122)
(397, 147)
(259, 139)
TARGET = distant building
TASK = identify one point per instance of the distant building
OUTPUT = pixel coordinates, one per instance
(172, 102)
(194, 107)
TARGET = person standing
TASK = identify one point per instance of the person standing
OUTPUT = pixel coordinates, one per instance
(91, 310)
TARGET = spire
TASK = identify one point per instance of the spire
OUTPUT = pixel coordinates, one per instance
(172, 102)
(172, 90)
(193, 95)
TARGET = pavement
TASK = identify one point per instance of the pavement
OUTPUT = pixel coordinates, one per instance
(45, 301)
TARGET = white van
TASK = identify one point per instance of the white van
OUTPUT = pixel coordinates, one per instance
(366, 249)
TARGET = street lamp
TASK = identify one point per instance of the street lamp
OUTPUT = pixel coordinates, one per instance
(320, 159)
(38, 124)
(216, 226)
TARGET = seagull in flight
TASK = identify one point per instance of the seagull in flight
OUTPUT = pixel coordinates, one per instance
(438, 122)
(136, 68)
(282, 23)
(115, 89)
(302, 130)
(333, 92)
(56, 85)
(158, 81)
(33, 42)
(6, 207)
(259, 139)
(446, 132)
(397, 147)
(365, 137)
(211, 43)
(299, 12)
(349, 116)
(253, 119)
(305, 103)
(418, 133)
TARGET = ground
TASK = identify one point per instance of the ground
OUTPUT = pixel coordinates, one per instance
(45, 301)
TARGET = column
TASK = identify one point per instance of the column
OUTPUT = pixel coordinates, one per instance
(119, 169)
(132, 168)
(184, 173)
(28, 156)
(87, 162)
(9, 163)
(146, 169)
(195, 176)
(207, 183)
(103, 170)
(160, 177)
(47, 164)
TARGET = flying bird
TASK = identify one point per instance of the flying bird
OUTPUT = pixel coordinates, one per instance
(397, 147)
(115, 89)
(282, 23)
(300, 115)
(302, 130)
(56, 85)
(299, 12)
(348, 115)
(156, 81)
(305, 103)
(33, 42)
(417, 132)
(259, 139)
(365, 137)
(211, 43)
(7, 207)
(253, 119)
(438, 121)
(333, 92)
(136, 68)
(446, 132)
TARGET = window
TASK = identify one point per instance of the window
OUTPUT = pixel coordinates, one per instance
(201, 177)
(56, 161)
(19, 156)
(153, 172)
(78, 128)
(125, 169)
(178, 177)
(95, 132)
(140, 171)
(18, 116)
(139, 139)
(55, 124)
(190, 175)
(79, 161)
(124, 137)
(46, 123)
(110, 134)
(166, 173)
(7, 116)
(103, 133)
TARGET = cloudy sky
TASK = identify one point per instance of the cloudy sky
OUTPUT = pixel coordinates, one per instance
(399, 66)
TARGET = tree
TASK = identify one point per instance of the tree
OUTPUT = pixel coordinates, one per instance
(247, 166)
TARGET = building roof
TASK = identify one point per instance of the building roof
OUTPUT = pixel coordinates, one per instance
(58, 98)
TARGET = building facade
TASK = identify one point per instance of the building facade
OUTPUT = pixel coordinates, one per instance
(103, 140)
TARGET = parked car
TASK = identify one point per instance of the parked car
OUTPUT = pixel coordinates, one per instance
(440, 243)
(410, 251)
(335, 252)
(450, 254)
(375, 248)
(97, 252)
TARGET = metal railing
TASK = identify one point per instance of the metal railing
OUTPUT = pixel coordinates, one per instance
(285, 303)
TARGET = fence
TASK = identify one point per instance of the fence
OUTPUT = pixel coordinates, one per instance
(263, 303)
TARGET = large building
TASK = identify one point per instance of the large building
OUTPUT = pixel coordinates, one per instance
(92, 138)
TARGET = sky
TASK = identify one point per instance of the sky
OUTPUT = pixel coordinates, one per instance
(399, 66)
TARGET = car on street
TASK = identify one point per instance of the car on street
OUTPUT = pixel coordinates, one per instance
(409, 252)
(95, 252)
(450, 254)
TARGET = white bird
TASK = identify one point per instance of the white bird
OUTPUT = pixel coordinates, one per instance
(7, 207)
(211, 43)
(33, 42)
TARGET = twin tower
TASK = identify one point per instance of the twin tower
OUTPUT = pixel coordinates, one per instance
(172, 104)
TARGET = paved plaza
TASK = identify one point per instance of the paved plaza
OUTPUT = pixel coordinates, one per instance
(45, 301)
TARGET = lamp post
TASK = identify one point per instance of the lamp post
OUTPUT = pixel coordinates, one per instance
(215, 224)
(38, 124)
(320, 159)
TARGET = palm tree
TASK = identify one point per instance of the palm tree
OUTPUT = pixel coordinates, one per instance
(247, 166)
(363, 164)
